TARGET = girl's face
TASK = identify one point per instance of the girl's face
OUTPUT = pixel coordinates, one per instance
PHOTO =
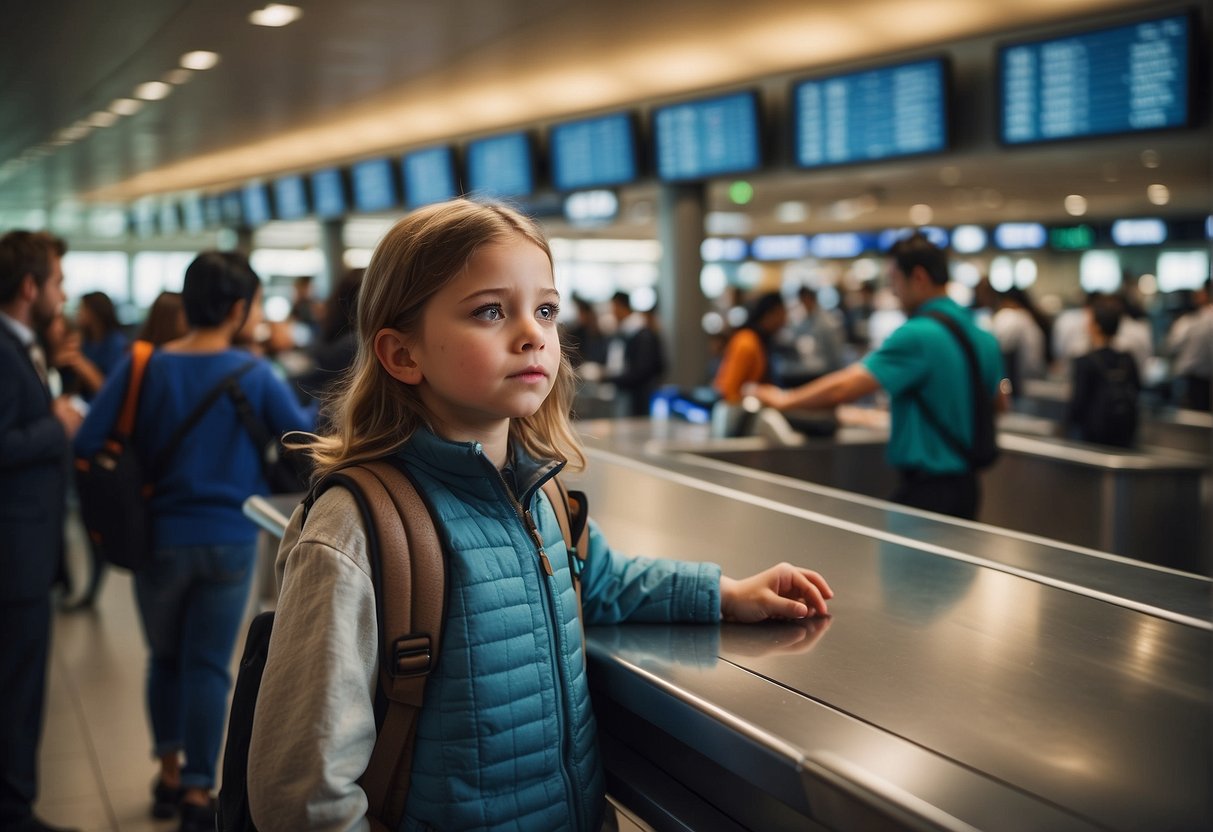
(488, 350)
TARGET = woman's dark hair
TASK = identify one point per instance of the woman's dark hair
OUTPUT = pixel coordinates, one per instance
(213, 283)
(102, 310)
(1106, 312)
(762, 307)
(917, 250)
(342, 305)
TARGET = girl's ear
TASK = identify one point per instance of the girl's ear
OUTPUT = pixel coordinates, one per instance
(393, 353)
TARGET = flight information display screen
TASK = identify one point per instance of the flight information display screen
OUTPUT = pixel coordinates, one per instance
(429, 176)
(256, 204)
(374, 185)
(1114, 80)
(593, 153)
(871, 115)
(708, 137)
(501, 166)
(290, 198)
(329, 192)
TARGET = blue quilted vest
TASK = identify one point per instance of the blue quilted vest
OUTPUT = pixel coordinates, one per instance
(506, 738)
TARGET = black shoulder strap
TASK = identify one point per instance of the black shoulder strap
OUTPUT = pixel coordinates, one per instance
(160, 463)
(945, 433)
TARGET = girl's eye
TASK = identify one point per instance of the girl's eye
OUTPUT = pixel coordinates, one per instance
(548, 312)
(491, 312)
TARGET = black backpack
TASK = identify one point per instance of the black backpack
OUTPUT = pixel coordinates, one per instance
(409, 573)
(114, 485)
(983, 451)
(1111, 415)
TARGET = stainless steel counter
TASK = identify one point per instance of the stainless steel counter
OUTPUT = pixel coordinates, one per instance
(966, 679)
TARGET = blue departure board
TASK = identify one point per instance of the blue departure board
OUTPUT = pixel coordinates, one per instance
(501, 166)
(231, 204)
(429, 176)
(708, 137)
(593, 153)
(193, 213)
(328, 189)
(256, 203)
(374, 185)
(1114, 80)
(290, 198)
(867, 116)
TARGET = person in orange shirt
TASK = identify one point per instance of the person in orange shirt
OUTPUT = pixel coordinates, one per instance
(747, 356)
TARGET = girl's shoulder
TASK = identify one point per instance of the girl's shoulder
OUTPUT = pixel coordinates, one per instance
(334, 521)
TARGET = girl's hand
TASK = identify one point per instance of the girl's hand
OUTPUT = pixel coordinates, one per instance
(783, 591)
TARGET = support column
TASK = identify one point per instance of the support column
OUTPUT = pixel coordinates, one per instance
(680, 224)
(332, 244)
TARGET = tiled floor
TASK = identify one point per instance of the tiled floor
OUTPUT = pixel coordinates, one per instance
(96, 768)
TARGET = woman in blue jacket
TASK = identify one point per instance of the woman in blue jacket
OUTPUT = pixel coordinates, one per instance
(192, 598)
(460, 374)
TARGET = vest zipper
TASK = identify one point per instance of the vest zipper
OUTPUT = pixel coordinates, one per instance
(528, 522)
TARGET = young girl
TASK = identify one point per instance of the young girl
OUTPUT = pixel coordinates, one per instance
(460, 373)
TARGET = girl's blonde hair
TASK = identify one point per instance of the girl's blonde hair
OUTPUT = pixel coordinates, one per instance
(370, 414)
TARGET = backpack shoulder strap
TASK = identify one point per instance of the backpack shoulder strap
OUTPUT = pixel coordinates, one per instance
(141, 353)
(160, 463)
(409, 574)
(573, 514)
(966, 452)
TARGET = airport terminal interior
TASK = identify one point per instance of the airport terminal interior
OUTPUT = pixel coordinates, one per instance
(1043, 663)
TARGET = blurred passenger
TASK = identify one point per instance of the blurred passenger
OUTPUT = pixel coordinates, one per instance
(333, 352)
(192, 598)
(857, 308)
(747, 356)
(1071, 335)
(1105, 385)
(924, 370)
(816, 336)
(165, 320)
(635, 359)
(305, 309)
(102, 339)
(36, 430)
(586, 343)
(1194, 360)
(1020, 338)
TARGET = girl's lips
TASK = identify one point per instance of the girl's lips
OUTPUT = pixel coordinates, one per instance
(530, 376)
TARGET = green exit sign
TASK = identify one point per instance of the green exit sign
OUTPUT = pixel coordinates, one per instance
(1072, 238)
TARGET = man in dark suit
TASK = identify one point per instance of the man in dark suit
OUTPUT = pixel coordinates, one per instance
(35, 439)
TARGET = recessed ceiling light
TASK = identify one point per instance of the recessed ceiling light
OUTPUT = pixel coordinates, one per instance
(102, 118)
(921, 214)
(1076, 205)
(178, 76)
(199, 60)
(1158, 194)
(275, 14)
(153, 90)
(126, 106)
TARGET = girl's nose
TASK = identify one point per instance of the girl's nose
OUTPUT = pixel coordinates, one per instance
(530, 335)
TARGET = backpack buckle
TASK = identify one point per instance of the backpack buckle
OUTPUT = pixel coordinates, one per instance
(412, 655)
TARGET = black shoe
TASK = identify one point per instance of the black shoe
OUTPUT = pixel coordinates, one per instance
(195, 818)
(165, 800)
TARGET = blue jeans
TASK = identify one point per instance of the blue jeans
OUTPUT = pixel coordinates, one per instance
(191, 602)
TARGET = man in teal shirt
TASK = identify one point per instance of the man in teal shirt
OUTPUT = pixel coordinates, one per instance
(920, 365)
